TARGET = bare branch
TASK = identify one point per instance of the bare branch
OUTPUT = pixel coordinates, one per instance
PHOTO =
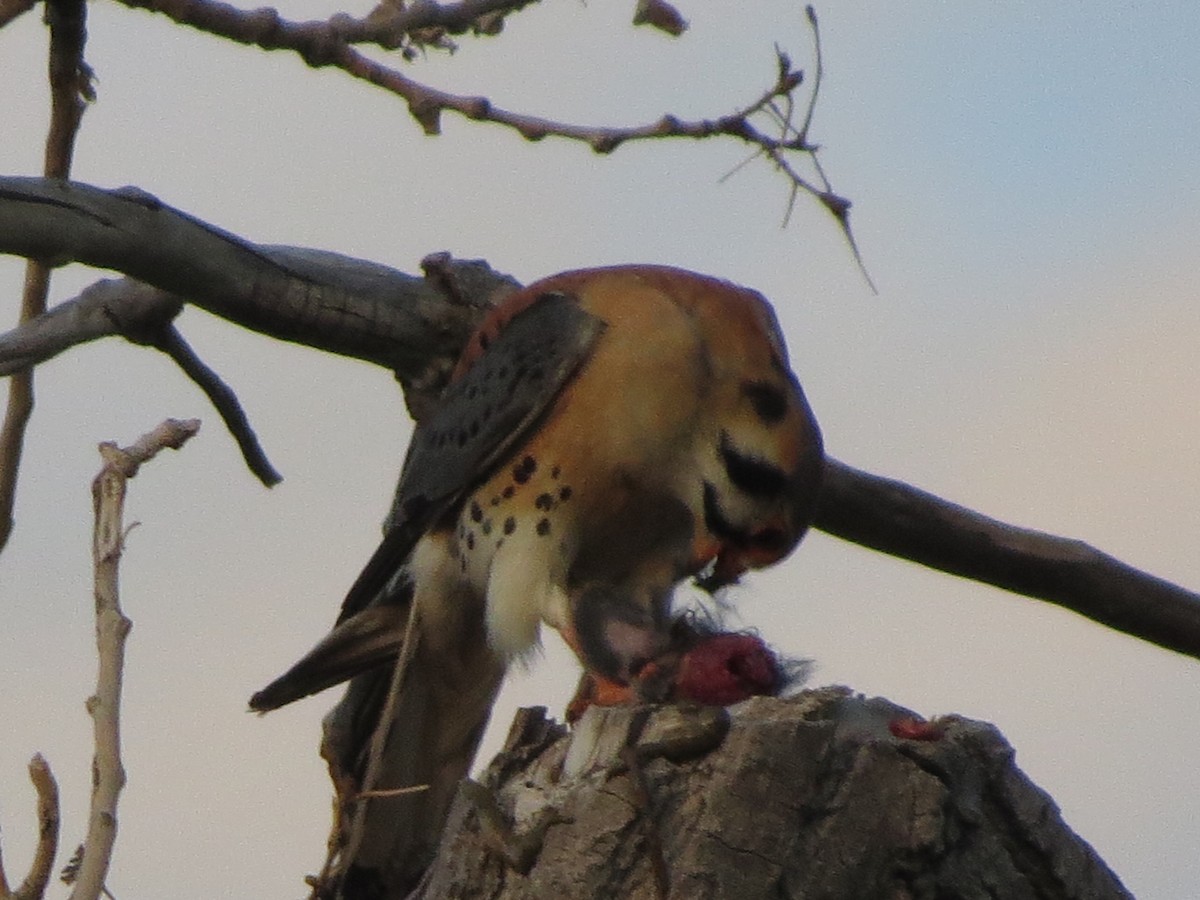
(69, 87)
(226, 403)
(141, 314)
(426, 104)
(347, 306)
(329, 43)
(112, 628)
(355, 308)
(903, 521)
(837, 206)
(12, 435)
(417, 326)
(109, 307)
(170, 434)
(390, 25)
(818, 74)
(40, 870)
(34, 885)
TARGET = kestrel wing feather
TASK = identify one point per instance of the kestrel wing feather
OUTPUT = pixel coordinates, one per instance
(358, 644)
(482, 416)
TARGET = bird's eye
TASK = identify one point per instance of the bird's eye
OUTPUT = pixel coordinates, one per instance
(769, 402)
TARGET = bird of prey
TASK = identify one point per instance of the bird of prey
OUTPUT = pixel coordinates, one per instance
(607, 434)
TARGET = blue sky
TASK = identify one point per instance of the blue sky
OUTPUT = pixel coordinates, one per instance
(1025, 179)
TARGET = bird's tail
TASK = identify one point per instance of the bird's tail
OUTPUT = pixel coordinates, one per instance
(424, 739)
(360, 643)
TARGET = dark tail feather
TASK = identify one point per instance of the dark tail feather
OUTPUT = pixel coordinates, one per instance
(362, 642)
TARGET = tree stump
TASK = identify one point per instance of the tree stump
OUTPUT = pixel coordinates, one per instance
(825, 794)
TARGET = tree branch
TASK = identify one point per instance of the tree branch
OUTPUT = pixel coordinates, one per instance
(226, 403)
(70, 87)
(112, 628)
(322, 44)
(34, 885)
(389, 25)
(110, 307)
(901, 520)
(346, 306)
(351, 307)
(417, 326)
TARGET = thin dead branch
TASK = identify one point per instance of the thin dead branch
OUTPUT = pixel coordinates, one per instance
(837, 205)
(427, 104)
(141, 314)
(224, 400)
(70, 89)
(322, 44)
(112, 629)
(34, 885)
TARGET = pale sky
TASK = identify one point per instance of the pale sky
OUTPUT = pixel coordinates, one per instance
(1026, 179)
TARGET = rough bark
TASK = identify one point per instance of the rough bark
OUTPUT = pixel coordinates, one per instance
(809, 797)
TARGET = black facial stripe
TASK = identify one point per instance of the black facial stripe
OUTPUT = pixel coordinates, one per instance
(769, 402)
(754, 476)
